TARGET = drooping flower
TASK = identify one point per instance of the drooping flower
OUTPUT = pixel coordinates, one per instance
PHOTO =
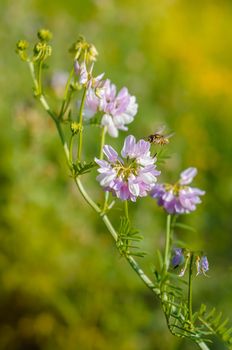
(178, 198)
(202, 265)
(119, 109)
(131, 177)
(178, 258)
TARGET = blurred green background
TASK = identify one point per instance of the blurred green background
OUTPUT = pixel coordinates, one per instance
(63, 284)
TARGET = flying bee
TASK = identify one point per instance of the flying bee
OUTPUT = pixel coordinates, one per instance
(159, 138)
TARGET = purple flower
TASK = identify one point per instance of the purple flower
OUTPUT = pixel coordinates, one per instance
(178, 258)
(119, 109)
(178, 198)
(131, 177)
(202, 265)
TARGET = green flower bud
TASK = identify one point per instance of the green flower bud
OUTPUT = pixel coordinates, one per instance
(21, 47)
(44, 35)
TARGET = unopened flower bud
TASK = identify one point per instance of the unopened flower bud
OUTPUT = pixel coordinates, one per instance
(21, 47)
(44, 35)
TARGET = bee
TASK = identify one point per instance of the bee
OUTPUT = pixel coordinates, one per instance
(159, 138)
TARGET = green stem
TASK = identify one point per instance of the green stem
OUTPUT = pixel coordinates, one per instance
(81, 124)
(71, 149)
(103, 134)
(126, 209)
(105, 205)
(65, 102)
(39, 77)
(32, 71)
(167, 245)
(190, 289)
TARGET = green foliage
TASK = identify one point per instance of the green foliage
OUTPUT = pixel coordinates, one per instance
(214, 322)
(81, 168)
(128, 237)
(204, 324)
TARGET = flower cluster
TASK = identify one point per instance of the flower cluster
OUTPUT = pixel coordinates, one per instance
(178, 198)
(131, 177)
(118, 109)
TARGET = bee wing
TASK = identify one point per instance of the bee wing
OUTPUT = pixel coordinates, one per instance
(160, 129)
(169, 135)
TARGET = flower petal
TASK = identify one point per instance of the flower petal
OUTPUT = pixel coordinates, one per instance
(128, 149)
(108, 122)
(187, 176)
(110, 153)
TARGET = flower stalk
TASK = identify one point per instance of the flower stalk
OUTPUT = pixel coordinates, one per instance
(167, 245)
(81, 125)
(103, 135)
(190, 287)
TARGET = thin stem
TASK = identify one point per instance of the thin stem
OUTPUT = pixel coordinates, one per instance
(126, 210)
(71, 149)
(39, 77)
(81, 123)
(85, 195)
(103, 134)
(66, 91)
(32, 71)
(64, 143)
(105, 205)
(167, 244)
(190, 289)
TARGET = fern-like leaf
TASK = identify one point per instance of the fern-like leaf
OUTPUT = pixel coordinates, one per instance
(127, 239)
(81, 168)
